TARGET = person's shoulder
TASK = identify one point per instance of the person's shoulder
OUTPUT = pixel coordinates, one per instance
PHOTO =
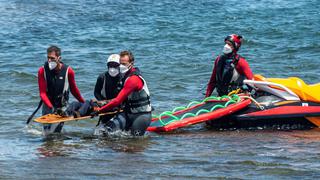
(240, 57)
(242, 61)
(69, 68)
(41, 69)
(134, 81)
(135, 72)
(102, 75)
(217, 59)
(134, 78)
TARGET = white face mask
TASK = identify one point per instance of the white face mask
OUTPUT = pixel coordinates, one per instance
(113, 71)
(52, 65)
(123, 69)
(227, 49)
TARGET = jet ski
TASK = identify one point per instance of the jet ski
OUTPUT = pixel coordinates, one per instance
(277, 103)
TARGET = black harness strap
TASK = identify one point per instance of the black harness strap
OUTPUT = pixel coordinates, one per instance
(225, 71)
(31, 116)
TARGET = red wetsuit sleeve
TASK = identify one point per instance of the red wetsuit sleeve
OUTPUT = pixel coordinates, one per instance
(244, 69)
(212, 81)
(133, 83)
(43, 88)
(73, 86)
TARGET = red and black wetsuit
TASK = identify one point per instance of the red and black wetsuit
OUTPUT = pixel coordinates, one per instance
(132, 84)
(228, 73)
(54, 92)
(48, 96)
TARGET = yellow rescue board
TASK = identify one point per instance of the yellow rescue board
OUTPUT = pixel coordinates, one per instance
(314, 120)
(55, 118)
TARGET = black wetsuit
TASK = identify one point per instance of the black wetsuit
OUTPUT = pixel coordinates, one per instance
(107, 88)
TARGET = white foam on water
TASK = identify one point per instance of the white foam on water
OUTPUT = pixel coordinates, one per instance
(32, 130)
(101, 131)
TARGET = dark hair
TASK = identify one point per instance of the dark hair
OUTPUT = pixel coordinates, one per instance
(127, 53)
(55, 49)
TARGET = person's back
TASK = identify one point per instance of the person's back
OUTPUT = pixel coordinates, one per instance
(230, 69)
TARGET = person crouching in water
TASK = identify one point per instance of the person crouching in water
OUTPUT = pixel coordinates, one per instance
(135, 96)
(230, 69)
(108, 85)
(55, 79)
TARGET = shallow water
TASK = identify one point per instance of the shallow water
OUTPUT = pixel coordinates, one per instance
(174, 44)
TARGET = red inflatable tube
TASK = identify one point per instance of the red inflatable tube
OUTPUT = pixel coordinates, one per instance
(202, 117)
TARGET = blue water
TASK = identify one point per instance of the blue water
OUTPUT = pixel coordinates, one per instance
(174, 43)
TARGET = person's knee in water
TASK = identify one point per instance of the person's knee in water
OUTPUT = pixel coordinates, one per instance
(135, 123)
(140, 124)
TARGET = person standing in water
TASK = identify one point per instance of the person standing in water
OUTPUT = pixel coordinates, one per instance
(108, 84)
(55, 80)
(230, 69)
(135, 97)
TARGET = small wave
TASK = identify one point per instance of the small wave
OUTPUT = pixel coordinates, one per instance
(116, 135)
(30, 129)
(255, 163)
(113, 135)
(25, 75)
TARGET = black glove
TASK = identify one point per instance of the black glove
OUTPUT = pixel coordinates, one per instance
(94, 114)
(61, 112)
(76, 114)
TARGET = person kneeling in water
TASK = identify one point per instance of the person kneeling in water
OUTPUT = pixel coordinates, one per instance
(108, 85)
(135, 96)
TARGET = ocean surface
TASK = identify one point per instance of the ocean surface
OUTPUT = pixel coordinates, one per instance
(174, 43)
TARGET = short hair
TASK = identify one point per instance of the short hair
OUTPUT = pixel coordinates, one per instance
(127, 53)
(55, 49)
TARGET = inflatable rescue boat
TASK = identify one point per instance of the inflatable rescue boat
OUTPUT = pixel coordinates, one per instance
(197, 112)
